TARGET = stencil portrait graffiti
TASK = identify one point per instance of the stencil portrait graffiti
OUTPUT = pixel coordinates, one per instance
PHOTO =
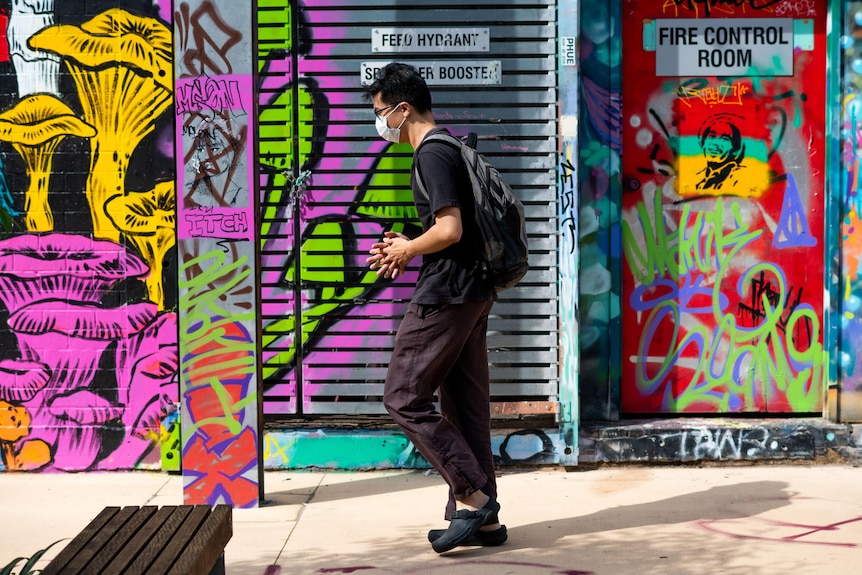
(724, 151)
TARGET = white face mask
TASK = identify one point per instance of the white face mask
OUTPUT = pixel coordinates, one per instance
(389, 134)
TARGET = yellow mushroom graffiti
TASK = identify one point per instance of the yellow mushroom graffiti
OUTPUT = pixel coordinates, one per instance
(35, 126)
(121, 67)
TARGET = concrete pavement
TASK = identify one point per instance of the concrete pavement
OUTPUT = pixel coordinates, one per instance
(680, 520)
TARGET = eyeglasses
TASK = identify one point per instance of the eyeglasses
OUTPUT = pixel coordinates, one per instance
(381, 110)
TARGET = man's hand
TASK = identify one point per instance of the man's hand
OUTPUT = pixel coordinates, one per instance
(391, 255)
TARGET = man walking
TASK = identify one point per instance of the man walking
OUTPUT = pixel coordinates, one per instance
(441, 342)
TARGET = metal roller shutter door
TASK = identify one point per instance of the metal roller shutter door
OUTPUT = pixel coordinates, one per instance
(358, 187)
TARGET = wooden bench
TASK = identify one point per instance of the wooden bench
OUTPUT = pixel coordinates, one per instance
(182, 540)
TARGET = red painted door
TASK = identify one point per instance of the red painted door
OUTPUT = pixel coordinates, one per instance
(723, 162)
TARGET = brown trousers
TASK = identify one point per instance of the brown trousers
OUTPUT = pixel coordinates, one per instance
(443, 348)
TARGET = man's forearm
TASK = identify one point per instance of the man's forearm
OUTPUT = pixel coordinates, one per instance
(435, 239)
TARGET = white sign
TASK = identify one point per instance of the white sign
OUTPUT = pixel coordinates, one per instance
(430, 40)
(568, 51)
(446, 73)
(724, 47)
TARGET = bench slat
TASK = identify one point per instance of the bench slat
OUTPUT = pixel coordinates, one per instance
(80, 541)
(180, 540)
(99, 541)
(141, 564)
(120, 538)
(120, 563)
(207, 546)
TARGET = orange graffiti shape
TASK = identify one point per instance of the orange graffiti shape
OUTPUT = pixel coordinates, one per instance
(222, 475)
(15, 425)
(851, 233)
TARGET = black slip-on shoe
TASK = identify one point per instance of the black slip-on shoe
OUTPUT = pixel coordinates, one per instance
(479, 539)
(465, 524)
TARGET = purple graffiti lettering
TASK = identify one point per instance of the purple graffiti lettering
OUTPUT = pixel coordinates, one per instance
(755, 312)
(214, 224)
(688, 294)
(753, 349)
(673, 354)
(717, 526)
(448, 568)
(792, 230)
(750, 315)
(508, 566)
(208, 93)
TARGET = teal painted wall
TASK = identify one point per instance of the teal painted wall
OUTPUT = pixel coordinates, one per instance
(599, 191)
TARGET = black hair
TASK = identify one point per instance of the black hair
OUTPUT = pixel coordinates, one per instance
(737, 147)
(398, 83)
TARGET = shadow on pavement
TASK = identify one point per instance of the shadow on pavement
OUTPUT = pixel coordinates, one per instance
(336, 490)
(718, 503)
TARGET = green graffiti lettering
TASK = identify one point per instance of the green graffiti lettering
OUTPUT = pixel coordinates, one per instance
(204, 289)
(703, 245)
(212, 355)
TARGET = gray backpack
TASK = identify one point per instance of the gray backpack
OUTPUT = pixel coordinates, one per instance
(499, 216)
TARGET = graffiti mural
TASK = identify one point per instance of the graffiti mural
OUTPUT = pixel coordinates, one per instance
(850, 390)
(569, 231)
(301, 198)
(216, 249)
(722, 226)
(600, 207)
(700, 439)
(278, 173)
(120, 100)
(329, 192)
(369, 449)
(88, 373)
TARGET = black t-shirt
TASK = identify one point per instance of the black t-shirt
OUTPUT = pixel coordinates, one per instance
(452, 275)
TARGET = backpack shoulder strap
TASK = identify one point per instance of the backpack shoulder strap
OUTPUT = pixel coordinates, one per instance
(447, 138)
